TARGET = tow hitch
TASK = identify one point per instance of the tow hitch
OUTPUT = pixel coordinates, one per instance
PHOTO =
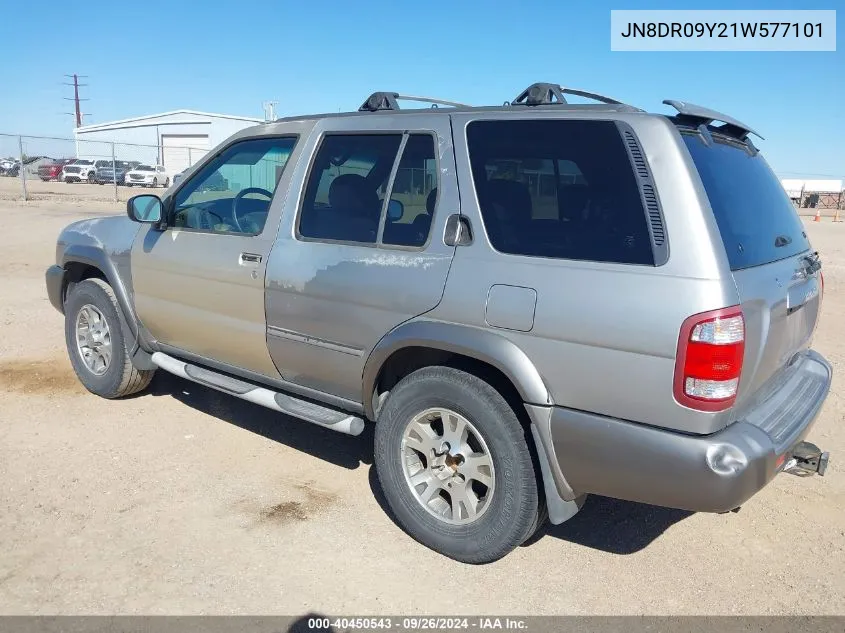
(807, 459)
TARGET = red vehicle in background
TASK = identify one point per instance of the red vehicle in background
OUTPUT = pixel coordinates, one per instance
(53, 170)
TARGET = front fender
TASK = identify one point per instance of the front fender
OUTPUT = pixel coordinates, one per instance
(106, 244)
(483, 345)
(95, 256)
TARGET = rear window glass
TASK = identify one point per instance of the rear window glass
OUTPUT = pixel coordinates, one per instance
(558, 188)
(756, 218)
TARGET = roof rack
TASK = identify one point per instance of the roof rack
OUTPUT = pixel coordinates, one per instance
(697, 115)
(545, 94)
(389, 101)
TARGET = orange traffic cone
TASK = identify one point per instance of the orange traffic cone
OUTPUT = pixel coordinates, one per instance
(818, 217)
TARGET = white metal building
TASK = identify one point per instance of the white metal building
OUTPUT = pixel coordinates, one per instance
(815, 194)
(814, 186)
(175, 139)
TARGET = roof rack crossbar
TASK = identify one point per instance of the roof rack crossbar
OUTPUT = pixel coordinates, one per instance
(389, 101)
(698, 115)
(546, 93)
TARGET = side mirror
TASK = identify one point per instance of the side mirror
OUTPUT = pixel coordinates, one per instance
(395, 210)
(145, 208)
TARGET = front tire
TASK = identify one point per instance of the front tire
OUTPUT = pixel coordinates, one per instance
(155, 183)
(95, 343)
(455, 465)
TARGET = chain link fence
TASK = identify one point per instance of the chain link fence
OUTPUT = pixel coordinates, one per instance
(817, 203)
(35, 162)
(38, 164)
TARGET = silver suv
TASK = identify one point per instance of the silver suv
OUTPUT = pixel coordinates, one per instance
(530, 302)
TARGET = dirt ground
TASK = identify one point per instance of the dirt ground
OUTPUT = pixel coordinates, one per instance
(183, 500)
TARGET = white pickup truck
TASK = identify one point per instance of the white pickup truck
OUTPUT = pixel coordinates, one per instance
(80, 170)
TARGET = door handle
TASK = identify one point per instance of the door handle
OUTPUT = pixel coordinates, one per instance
(458, 231)
(249, 258)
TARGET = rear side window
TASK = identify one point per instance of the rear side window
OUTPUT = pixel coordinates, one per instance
(344, 193)
(350, 196)
(558, 188)
(757, 221)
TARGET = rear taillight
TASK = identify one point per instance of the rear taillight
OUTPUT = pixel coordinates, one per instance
(709, 360)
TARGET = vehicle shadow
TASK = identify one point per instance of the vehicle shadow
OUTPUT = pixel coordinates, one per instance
(613, 526)
(609, 525)
(337, 448)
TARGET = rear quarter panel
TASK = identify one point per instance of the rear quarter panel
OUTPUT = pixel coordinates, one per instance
(604, 335)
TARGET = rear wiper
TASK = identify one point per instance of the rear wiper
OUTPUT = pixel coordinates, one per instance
(782, 240)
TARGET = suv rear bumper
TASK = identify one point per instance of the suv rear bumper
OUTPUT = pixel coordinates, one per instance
(709, 473)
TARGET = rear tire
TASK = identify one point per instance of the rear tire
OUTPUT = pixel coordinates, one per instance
(505, 518)
(91, 314)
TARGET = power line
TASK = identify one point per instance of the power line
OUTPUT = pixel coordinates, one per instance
(78, 111)
(799, 173)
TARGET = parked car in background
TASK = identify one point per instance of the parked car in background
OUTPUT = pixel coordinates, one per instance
(147, 176)
(112, 172)
(10, 167)
(53, 170)
(80, 170)
(178, 177)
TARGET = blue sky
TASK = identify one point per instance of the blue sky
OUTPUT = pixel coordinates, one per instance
(324, 56)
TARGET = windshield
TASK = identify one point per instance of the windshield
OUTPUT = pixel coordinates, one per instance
(144, 168)
(756, 218)
(83, 162)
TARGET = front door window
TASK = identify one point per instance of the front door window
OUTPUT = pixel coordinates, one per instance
(232, 193)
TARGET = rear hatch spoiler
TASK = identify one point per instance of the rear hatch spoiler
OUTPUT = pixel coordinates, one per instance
(698, 116)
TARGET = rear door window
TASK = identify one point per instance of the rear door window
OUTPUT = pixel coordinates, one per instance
(558, 188)
(345, 191)
(755, 216)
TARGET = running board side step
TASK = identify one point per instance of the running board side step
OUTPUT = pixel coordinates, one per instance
(303, 409)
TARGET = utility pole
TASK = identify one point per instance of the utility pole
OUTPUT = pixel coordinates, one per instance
(77, 110)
